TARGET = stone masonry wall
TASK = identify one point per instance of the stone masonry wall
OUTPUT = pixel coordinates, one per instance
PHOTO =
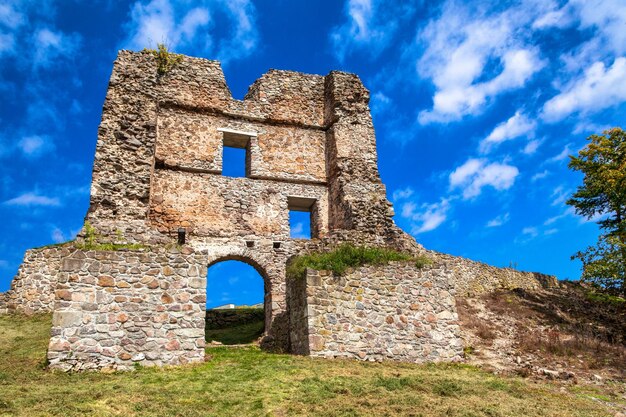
(217, 206)
(473, 278)
(191, 139)
(32, 289)
(117, 309)
(395, 312)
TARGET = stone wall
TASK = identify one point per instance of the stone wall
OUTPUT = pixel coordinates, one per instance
(192, 139)
(220, 319)
(117, 309)
(395, 312)
(473, 278)
(32, 289)
(217, 206)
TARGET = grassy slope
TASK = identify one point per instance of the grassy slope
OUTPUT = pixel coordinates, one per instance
(246, 381)
(241, 334)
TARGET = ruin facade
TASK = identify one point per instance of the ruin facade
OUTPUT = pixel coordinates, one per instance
(157, 178)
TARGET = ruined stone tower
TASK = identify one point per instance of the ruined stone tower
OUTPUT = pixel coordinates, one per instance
(157, 179)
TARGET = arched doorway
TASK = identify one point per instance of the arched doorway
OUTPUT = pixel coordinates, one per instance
(236, 302)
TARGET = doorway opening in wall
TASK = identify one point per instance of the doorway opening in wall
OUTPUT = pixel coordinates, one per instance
(301, 219)
(236, 153)
(235, 303)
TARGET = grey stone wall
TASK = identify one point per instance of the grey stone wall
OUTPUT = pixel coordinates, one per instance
(395, 312)
(117, 309)
(32, 289)
(219, 319)
(474, 278)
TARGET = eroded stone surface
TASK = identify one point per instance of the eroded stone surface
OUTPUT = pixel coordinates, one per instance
(310, 144)
(374, 313)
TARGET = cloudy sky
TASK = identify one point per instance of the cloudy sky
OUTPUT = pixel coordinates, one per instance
(476, 107)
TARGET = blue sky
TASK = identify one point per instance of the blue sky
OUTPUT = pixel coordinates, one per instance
(476, 106)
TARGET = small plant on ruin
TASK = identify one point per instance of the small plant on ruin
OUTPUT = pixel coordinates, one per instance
(348, 256)
(91, 242)
(422, 261)
(166, 60)
(90, 234)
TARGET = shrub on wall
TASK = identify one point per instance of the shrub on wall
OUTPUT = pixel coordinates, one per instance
(349, 256)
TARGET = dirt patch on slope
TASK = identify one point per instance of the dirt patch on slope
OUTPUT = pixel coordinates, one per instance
(566, 334)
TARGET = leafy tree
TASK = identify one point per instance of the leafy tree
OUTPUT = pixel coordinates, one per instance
(603, 194)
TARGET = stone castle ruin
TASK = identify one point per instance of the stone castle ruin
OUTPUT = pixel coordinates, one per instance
(132, 288)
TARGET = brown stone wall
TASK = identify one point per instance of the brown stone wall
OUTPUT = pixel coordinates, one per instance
(217, 206)
(473, 278)
(395, 312)
(191, 139)
(117, 309)
(32, 289)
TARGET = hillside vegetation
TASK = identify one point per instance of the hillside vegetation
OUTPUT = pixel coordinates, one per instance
(245, 381)
(570, 333)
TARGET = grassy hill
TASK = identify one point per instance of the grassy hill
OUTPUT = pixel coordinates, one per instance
(248, 382)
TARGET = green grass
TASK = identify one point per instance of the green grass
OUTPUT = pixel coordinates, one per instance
(249, 382)
(236, 335)
(601, 297)
(349, 256)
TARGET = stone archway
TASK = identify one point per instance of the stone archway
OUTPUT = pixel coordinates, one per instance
(259, 273)
(270, 265)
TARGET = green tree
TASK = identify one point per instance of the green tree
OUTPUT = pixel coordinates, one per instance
(603, 194)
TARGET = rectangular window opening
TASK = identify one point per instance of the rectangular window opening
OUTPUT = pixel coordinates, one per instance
(236, 153)
(302, 224)
(233, 162)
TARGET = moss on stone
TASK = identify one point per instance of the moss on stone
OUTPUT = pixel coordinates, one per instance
(111, 246)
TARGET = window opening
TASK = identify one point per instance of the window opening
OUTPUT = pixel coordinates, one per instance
(302, 224)
(236, 152)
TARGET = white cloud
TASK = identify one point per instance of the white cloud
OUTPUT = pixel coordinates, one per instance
(402, 194)
(57, 235)
(475, 174)
(598, 89)
(531, 231)
(568, 212)
(516, 126)
(33, 199)
(498, 221)
(531, 147)
(561, 155)
(379, 102)
(182, 27)
(11, 17)
(369, 24)
(297, 231)
(459, 45)
(540, 175)
(425, 217)
(7, 43)
(50, 46)
(559, 19)
(559, 195)
(608, 18)
(34, 146)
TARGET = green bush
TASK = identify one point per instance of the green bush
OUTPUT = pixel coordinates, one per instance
(422, 261)
(166, 60)
(349, 256)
